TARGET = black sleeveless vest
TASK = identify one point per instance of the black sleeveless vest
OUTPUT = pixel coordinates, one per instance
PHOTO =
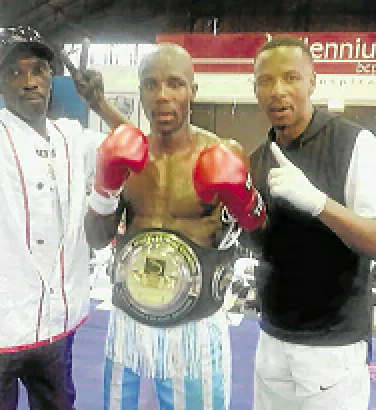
(313, 289)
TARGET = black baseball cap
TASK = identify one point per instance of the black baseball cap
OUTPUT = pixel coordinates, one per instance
(24, 38)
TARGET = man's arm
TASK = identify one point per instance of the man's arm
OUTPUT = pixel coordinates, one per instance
(125, 150)
(357, 232)
(109, 113)
(354, 224)
(89, 85)
(101, 229)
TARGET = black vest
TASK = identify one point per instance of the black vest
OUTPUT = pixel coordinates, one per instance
(313, 289)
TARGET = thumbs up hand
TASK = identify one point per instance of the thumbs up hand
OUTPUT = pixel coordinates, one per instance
(289, 182)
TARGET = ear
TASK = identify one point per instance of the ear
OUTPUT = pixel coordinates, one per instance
(194, 89)
(312, 83)
(141, 94)
(1, 83)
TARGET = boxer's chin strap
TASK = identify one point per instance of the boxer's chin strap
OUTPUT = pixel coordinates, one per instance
(233, 231)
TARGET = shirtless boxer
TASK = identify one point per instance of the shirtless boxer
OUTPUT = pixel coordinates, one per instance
(174, 183)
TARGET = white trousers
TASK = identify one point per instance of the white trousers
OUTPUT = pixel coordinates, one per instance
(297, 377)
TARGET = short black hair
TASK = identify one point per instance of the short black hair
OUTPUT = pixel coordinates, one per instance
(286, 42)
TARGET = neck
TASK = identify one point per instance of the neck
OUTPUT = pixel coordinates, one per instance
(40, 127)
(38, 124)
(171, 143)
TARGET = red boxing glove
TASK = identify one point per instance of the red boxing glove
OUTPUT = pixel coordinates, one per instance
(220, 171)
(125, 149)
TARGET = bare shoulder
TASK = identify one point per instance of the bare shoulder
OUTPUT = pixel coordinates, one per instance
(208, 138)
(205, 137)
(234, 146)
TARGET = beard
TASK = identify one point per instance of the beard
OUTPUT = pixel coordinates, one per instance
(280, 127)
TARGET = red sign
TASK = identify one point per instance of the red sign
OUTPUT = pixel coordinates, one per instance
(333, 52)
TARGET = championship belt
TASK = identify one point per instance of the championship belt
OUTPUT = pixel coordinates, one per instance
(162, 278)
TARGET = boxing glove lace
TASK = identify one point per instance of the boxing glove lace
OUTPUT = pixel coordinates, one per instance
(220, 171)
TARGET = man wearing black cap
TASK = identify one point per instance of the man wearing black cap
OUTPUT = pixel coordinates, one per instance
(44, 167)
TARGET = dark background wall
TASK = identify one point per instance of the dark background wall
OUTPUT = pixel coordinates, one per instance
(242, 122)
(248, 126)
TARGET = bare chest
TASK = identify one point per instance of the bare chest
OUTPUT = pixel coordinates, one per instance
(165, 188)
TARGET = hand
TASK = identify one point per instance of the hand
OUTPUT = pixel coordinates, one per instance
(125, 149)
(89, 83)
(290, 183)
(220, 172)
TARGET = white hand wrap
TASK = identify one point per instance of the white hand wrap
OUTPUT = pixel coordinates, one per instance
(102, 205)
(290, 183)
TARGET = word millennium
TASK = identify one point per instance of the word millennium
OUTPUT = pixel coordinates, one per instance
(343, 48)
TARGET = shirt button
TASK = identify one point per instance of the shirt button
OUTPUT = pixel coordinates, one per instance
(40, 241)
(40, 185)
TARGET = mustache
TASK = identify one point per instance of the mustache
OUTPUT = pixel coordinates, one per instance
(31, 94)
